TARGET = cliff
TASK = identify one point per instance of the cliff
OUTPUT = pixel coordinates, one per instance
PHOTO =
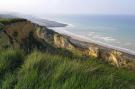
(112, 56)
(28, 36)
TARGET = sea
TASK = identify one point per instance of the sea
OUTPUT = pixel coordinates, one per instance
(117, 31)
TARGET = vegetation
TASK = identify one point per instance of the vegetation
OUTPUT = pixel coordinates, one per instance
(1, 26)
(39, 65)
(48, 71)
(8, 20)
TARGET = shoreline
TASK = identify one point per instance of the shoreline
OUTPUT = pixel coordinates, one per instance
(103, 44)
(90, 41)
(116, 56)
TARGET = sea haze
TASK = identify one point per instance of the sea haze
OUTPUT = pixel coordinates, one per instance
(114, 30)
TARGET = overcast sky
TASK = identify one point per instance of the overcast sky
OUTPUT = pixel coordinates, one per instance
(69, 6)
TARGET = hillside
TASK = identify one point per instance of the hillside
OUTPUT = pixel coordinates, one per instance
(35, 57)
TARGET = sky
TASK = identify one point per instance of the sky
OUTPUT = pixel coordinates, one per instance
(69, 6)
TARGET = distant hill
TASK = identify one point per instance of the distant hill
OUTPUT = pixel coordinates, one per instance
(44, 22)
(7, 16)
(40, 21)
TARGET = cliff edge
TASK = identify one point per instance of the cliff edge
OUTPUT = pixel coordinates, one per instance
(28, 36)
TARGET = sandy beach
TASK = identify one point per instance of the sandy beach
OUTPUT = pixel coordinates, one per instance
(89, 41)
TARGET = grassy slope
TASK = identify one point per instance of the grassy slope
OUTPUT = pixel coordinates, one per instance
(41, 70)
(46, 71)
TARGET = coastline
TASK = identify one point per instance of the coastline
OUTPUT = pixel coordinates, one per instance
(112, 55)
(116, 56)
(76, 45)
(90, 41)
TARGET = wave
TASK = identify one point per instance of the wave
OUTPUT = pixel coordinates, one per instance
(96, 36)
(104, 38)
(62, 30)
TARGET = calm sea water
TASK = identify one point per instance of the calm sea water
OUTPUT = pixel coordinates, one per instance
(118, 31)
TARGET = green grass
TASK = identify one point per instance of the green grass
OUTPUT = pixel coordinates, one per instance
(49, 71)
(55, 68)
(12, 20)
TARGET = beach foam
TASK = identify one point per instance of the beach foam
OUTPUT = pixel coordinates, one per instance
(87, 39)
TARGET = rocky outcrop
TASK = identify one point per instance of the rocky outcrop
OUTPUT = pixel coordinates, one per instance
(112, 56)
(93, 52)
(115, 57)
(62, 42)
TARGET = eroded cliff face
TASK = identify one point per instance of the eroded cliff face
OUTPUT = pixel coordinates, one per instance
(62, 42)
(25, 35)
(112, 56)
(28, 35)
(93, 52)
